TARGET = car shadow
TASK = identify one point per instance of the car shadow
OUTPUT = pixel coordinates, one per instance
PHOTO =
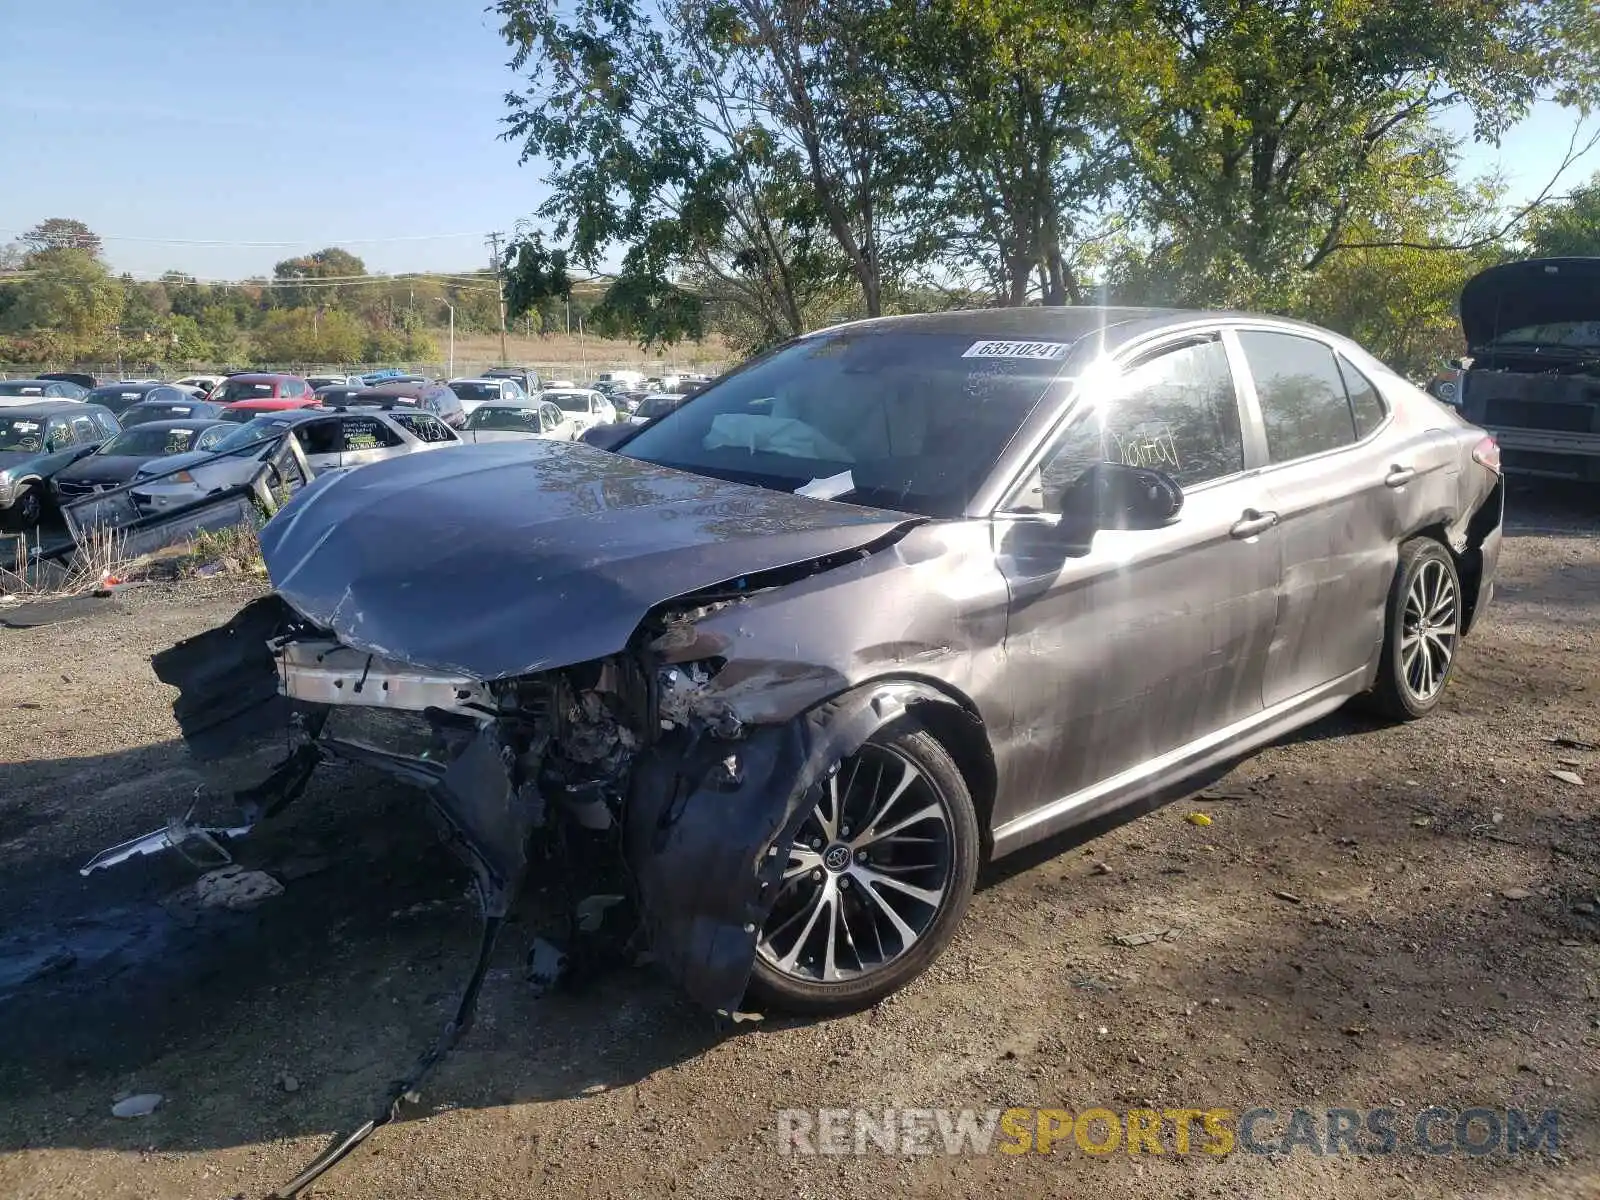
(124, 983)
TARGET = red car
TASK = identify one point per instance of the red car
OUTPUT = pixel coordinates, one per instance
(248, 396)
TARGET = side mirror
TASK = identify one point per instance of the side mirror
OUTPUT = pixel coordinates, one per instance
(1113, 496)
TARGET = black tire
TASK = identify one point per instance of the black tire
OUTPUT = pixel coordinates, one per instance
(27, 509)
(773, 988)
(1396, 694)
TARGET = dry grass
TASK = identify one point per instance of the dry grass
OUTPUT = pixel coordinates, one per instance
(580, 356)
(100, 559)
(235, 550)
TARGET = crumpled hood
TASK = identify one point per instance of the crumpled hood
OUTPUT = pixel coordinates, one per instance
(505, 559)
(1538, 291)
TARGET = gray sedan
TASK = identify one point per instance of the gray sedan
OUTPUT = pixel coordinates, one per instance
(898, 597)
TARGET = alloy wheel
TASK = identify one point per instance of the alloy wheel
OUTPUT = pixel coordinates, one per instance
(868, 872)
(1429, 630)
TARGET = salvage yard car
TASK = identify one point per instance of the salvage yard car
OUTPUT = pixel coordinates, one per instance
(892, 599)
(1533, 330)
(36, 441)
(180, 409)
(509, 420)
(116, 461)
(585, 406)
(28, 391)
(331, 440)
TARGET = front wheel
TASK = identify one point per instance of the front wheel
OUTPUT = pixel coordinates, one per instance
(26, 510)
(1421, 634)
(877, 879)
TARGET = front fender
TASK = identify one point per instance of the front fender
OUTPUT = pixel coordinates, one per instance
(708, 822)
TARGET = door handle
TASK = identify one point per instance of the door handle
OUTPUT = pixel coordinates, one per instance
(1252, 523)
(1399, 476)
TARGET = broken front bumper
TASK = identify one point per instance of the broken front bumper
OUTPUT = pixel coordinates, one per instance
(697, 809)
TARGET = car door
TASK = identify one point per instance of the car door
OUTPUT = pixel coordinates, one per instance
(1145, 641)
(321, 442)
(367, 440)
(1341, 478)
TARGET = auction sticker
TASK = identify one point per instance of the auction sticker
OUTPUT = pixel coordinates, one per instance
(1044, 350)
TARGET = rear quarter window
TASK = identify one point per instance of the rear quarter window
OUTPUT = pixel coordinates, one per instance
(1366, 404)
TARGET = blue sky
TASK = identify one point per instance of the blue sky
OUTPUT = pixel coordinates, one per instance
(238, 121)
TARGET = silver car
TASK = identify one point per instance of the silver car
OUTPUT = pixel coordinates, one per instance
(511, 420)
(901, 596)
(330, 441)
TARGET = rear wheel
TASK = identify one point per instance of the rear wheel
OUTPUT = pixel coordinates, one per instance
(877, 879)
(1422, 632)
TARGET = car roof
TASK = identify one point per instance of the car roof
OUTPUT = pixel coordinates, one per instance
(196, 423)
(50, 406)
(479, 379)
(36, 382)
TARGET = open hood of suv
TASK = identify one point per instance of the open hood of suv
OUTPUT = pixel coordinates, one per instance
(1538, 291)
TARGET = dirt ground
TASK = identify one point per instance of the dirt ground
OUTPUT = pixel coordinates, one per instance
(1376, 917)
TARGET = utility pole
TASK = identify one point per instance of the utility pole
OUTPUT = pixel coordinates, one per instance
(452, 309)
(499, 287)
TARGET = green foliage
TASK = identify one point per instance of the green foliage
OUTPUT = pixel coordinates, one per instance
(55, 234)
(307, 335)
(330, 264)
(1569, 227)
(67, 308)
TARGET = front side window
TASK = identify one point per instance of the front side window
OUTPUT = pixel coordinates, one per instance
(1175, 411)
(84, 430)
(318, 437)
(910, 419)
(58, 435)
(1301, 393)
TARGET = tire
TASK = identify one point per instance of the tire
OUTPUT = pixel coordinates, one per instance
(26, 510)
(1426, 592)
(930, 855)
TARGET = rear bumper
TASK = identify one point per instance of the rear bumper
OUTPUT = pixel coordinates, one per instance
(1549, 453)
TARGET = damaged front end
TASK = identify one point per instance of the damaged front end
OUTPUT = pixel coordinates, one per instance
(629, 771)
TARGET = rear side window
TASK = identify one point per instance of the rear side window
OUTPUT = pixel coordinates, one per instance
(368, 433)
(84, 430)
(1302, 396)
(1365, 403)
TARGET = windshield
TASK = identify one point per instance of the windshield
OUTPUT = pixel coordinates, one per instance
(477, 391)
(149, 443)
(657, 406)
(906, 420)
(523, 420)
(20, 387)
(140, 413)
(253, 431)
(242, 389)
(21, 433)
(1567, 335)
(577, 402)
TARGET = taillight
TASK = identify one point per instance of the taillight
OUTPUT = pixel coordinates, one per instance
(1487, 454)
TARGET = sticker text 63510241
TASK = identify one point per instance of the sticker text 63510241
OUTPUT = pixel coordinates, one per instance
(1050, 351)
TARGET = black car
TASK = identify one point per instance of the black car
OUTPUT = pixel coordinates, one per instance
(170, 410)
(526, 376)
(435, 398)
(120, 397)
(115, 462)
(37, 441)
(332, 395)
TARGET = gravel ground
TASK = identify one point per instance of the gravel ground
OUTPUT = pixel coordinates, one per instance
(1376, 917)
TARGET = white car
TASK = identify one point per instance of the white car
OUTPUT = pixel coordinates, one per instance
(206, 383)
(584, 405)
(513, 420)
(331, 440)
(30, 391)
(559, 384)
(484, 390)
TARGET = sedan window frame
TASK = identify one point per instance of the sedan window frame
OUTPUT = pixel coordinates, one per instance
(1251, 399)
(1115, 365)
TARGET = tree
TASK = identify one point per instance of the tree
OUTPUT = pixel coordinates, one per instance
(1011, 101)
(1568, 227)
(1268, 129)
(663, 124)
(60, 233)
(330, 264)
(70, 301)
(309, 335)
